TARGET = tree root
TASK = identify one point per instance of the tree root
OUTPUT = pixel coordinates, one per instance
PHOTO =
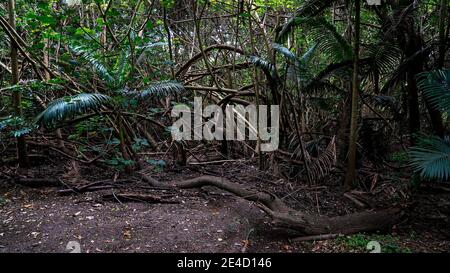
(286, 217)
(132, 197)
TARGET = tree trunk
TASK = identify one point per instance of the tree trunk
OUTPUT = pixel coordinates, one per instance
(46, 60)
(351, 167)
(443, 15)
(413, 101)
(17, 98)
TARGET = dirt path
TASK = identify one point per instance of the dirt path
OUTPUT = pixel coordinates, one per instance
(204, 220)
(41, 221)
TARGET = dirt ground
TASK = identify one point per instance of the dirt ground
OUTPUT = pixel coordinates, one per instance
(203, 220)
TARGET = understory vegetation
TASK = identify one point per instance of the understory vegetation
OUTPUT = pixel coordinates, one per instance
(87, 88)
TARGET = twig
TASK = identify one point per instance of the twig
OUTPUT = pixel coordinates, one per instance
(319, 237)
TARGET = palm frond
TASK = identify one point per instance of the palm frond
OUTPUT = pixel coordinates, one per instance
(399, 21)
(435, 86)
(432, 158)
(307, 55)
(162, 89)
(322, 87)
(289, 55)
(324, 163)
(267, 67)
(94, 61)
(329, 40)
(382, 58)
(379, 100)
(141, 50)
(308, 9)
(399, 74)
(121, 69)
(68, 107)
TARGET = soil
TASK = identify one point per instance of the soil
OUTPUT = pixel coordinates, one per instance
(203, 220)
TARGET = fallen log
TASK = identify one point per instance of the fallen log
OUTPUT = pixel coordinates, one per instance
(355, 200)
(307, 224)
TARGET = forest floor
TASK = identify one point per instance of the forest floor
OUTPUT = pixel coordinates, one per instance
(198, 220)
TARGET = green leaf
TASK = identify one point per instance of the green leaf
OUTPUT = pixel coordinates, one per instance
(431, 158)
(285, 52)
(162, 89)
(70, 106)
(47, 19)
(435, 86)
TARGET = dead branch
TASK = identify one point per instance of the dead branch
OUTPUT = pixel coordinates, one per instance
(319, 237)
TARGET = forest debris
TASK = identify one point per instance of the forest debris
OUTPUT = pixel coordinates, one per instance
(38, 182)
(285, 216)
(133, 197)
(352, 198)
(95, 186)
(152, 181)
(319, 237)
(436, 188)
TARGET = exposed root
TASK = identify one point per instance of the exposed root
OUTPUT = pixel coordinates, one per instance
(287, 217)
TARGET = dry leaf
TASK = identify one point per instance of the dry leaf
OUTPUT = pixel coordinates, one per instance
(127, 233)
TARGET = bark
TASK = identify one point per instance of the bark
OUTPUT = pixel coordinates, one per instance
(17, 98)
(132, 197)
(286, 217)
(351, 168)
(443, 15)
(195, 58)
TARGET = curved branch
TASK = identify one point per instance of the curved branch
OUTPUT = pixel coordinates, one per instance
(287, 217)
(198, 56)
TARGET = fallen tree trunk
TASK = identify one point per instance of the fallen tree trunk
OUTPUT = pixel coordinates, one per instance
(284, 216)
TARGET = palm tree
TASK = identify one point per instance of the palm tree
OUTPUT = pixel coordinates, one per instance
(431, 156)
(87, 105)
(351, 168)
